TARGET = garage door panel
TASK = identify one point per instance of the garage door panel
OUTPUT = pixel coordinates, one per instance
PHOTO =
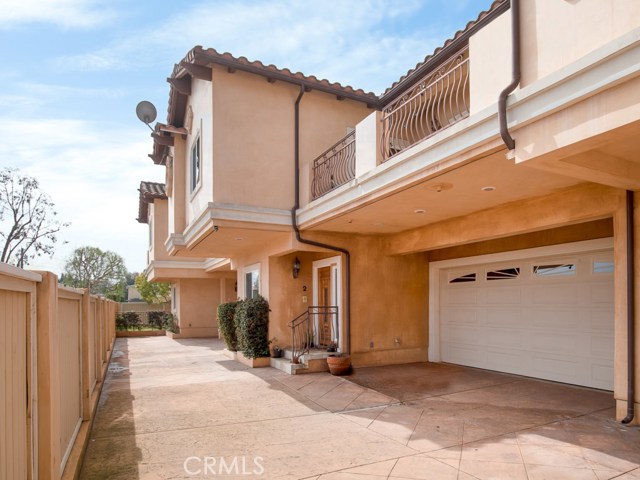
(460, 315)
(464, 334)
(465, 355)
(555, 295)
(555, 324)
(556, 319)
(602, 374)
(602, 347)
(505, 360)
(461, 296)
(503, 295)
(602, 293)
(503, 316)
(555, 342)
(560, 368)
(601, 320)
(504, 338)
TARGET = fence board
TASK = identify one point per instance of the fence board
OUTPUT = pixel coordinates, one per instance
(14, 443)
(69, 318)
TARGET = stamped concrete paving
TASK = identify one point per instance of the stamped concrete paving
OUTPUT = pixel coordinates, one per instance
(170, 409)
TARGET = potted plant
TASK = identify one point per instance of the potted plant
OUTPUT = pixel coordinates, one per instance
(332, 347)
(338, 363)
(276, 351)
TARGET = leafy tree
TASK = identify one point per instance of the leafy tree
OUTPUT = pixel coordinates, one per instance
(101, 272)
(28, 224)
(152, 292)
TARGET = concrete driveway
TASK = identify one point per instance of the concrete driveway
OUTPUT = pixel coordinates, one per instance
(181, 409)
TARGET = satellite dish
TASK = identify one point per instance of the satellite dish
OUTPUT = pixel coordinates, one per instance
(146, 112)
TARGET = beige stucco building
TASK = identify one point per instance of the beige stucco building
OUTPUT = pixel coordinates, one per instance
(438, 234)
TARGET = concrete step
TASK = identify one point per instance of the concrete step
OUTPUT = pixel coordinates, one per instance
(312, 362)
(285, 365)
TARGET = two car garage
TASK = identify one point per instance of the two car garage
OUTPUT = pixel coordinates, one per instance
(546, 312)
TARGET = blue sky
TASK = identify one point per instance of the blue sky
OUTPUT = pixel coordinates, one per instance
(74, 70)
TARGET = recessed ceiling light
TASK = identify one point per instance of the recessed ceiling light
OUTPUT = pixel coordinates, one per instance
(378, 224)
(239, 238)
(439, 187)
(488, 188)
(419, 211)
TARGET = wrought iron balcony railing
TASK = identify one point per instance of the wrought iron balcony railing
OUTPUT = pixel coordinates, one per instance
(439, 100)
(334, 167)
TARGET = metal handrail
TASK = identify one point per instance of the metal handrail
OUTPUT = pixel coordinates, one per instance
(299, 334)
(316, 327)
(335, 167)
(438, 101)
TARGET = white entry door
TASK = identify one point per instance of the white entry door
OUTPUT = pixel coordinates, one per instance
(548, 317)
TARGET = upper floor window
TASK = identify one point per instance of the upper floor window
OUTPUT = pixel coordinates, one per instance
(151, 231)
(196, 165)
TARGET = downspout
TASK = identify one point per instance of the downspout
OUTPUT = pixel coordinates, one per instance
(515, 77)
(294, 222)
(631, 344)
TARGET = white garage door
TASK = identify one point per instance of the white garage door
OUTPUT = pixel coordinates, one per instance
(546, 317)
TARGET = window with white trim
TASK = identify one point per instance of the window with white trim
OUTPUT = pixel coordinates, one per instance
(195, 165)
(252, 281)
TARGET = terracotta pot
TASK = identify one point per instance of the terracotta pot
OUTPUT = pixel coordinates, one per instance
(339, 365)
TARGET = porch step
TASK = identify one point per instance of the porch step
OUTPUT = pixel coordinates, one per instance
(312, 362)
(286, 366)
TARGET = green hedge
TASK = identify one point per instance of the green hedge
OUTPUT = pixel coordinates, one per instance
(252, 327)
(227, 325)
(128, 321)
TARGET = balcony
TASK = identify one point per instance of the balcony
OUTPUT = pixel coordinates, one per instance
(437, 101)
(335, 167)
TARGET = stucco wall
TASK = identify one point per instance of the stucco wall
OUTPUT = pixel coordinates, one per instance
(197, 307)
(490, 62)
(555, 34)
(200, 102)
(253, 146)
(159, 212)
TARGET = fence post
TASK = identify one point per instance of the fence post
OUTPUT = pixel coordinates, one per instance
(86, 358)
(49, 455)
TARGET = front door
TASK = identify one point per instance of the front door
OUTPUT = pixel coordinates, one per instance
(325, 299)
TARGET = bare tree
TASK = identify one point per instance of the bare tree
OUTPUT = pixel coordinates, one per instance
(28, 224)
(101, 272)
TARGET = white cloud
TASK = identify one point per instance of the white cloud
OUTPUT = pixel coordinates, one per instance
(342, 41)
(63, 13)
(92, 172)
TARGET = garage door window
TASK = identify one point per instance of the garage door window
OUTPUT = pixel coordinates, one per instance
(504, 274)
(554, 270)
(602, 267)
(469, 277)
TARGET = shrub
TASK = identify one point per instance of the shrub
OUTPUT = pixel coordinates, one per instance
(170, 322)
(252, 327)
(128, 321)
(156, 319)
(226, 324)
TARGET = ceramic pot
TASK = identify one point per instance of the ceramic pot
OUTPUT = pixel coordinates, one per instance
(339, 365)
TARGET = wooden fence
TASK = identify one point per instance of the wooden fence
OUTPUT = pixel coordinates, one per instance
(55, 344)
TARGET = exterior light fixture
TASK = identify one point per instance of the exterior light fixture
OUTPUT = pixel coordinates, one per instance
(488, 188)
(296, 268)
(419, 211)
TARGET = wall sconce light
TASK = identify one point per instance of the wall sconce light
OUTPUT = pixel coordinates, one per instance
(296, 267)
